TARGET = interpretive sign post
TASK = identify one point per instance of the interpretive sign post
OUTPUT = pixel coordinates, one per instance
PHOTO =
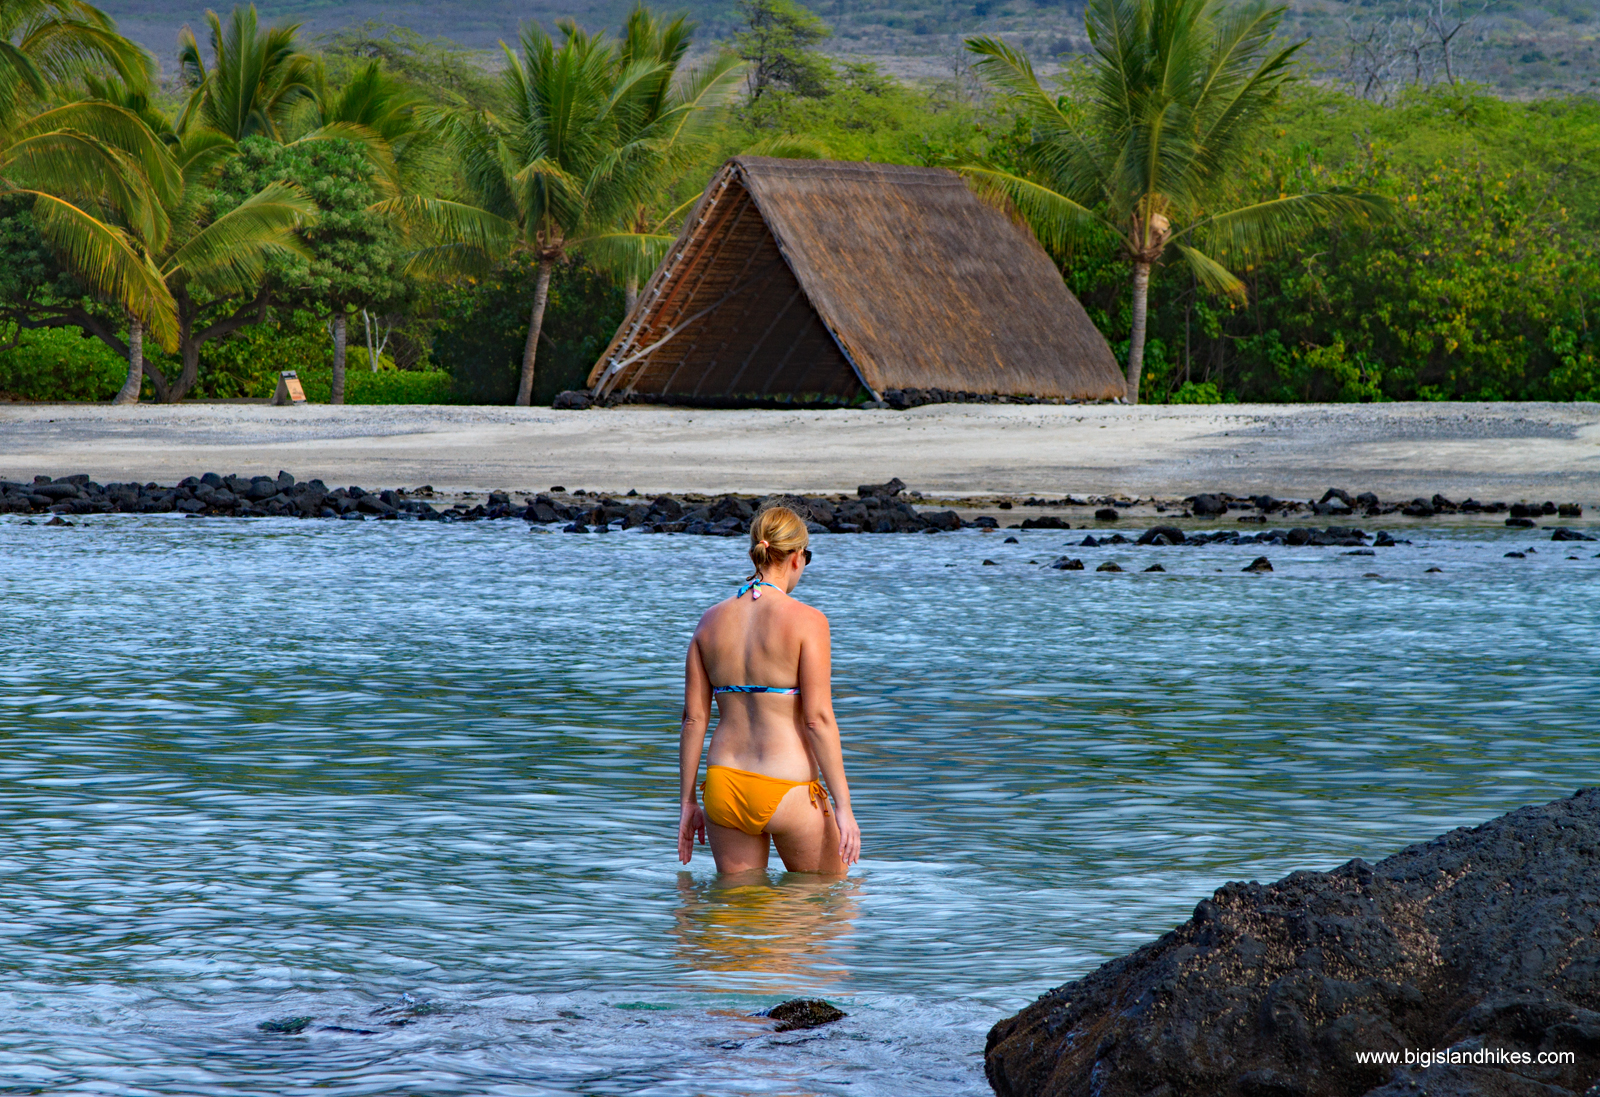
(289, 390)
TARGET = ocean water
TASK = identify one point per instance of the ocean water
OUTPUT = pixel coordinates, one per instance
(389, 808)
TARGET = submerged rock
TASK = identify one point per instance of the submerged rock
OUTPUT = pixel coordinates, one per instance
(803, 1013)
(288, 1026)
(1485, 942)
(1260, 563)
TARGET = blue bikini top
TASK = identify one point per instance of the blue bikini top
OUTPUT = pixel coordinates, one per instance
(753, 587)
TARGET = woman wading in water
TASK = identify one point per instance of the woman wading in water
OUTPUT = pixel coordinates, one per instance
(764, 657)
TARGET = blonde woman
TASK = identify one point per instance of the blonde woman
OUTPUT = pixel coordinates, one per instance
(765, 659)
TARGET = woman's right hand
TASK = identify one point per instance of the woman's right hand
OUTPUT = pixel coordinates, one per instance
(692, 825)
(849, 837)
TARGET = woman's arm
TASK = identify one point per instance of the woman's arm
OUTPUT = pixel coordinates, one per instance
(691, 742)
(822, 731)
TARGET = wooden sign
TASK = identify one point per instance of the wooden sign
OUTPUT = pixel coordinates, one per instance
(289, 390)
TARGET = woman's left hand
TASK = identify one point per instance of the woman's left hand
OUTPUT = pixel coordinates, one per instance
(849, 837)
(691, 825)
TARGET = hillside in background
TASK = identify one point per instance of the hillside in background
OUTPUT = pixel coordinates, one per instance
(1515, 47)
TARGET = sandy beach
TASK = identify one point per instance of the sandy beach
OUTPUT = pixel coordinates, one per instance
(1501, 451)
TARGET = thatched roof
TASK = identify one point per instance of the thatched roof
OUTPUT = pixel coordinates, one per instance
(820, 280)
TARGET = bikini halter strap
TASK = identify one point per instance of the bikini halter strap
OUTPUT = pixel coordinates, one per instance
(754, 588)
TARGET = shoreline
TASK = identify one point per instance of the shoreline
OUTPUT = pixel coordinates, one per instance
(1510, 452)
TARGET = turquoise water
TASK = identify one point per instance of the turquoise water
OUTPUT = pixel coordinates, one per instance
(417, 784)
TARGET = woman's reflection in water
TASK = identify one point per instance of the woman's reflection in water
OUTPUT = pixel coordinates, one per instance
(754, 931)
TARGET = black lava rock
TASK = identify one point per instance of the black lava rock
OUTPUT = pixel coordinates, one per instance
(888, 491)
(1161, 535)
(1562, 533)
(1260, 563)
(1483, 940)
(1520, 523)
(288, 1026)
(1155, 567)
(1207, 505)
(803, 1013)
(1067, 563)
(572, 400)
(1106, 514)
(1048, 521)
(1109, 565)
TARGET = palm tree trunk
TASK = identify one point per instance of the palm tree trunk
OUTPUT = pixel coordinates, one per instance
(1141, 297)
(630, 294)
(337, 395)
(541, 295)
(130, 387)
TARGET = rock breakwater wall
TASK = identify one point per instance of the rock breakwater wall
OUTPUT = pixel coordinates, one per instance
(874, 508)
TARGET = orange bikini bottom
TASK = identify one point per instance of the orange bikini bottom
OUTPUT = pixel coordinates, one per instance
(742, 800)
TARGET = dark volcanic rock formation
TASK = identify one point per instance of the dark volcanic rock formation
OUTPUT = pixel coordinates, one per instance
(1484, 941)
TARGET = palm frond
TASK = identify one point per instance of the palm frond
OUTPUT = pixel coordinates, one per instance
(106, 260)
(117, 127)
(1061, 224)
(451, 238)
(627, 255)
(1252, 233)
(789, 146)
(230, 254)
(1008, 68)
(1212, 274)
(84, 171)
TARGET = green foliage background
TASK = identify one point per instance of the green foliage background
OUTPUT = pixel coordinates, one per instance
(1486, 289)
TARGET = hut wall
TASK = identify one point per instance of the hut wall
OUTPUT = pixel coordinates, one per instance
(760, 340)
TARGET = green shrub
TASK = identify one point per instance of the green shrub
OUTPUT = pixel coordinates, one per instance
(60, 364)
(362, 386)
(1196, 392)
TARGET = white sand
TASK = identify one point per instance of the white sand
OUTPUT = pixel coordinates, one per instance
(1499, 451)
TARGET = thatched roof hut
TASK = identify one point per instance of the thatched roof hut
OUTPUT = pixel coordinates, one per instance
(823, 282)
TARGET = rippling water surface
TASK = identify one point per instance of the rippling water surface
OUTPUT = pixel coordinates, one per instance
(410, 790)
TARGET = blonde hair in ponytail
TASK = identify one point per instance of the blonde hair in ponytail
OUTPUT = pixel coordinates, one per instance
(776, 534)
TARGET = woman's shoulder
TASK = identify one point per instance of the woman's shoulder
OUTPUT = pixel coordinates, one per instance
(808, 616)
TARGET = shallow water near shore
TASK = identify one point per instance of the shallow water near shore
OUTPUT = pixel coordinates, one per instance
(406, 792)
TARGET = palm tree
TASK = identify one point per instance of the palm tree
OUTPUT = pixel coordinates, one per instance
(254, 81)
(74, 160)
(1177, 93)
(667, 122)
(546, 166)
(372, 108)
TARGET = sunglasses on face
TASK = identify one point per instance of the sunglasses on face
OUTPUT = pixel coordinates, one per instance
(807, 554)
